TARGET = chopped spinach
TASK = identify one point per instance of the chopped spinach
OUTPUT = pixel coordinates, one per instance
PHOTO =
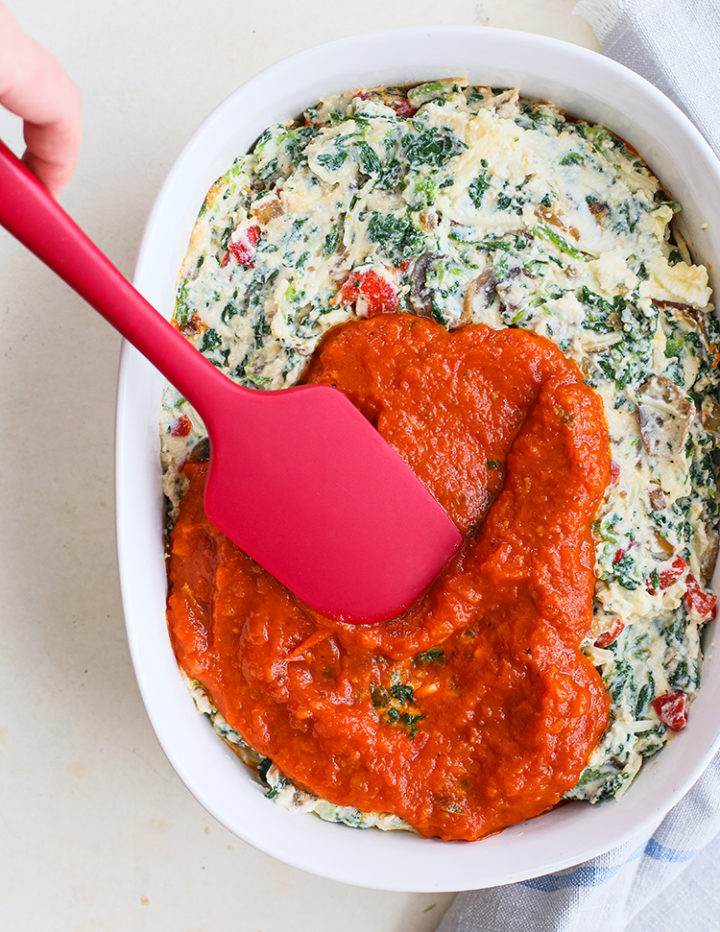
(211, 340)
(477, 188)
(434, 147)
(331, 241)
(332, 160)
(397, 237)
(369, 159)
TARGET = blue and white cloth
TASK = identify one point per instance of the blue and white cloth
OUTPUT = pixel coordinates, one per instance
(670, 881)
(667, 883)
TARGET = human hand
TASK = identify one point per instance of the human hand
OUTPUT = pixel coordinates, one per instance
(34, 86)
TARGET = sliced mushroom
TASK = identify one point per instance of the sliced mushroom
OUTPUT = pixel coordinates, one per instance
(587, 365)
(711, 415)
(505, 103)
(192, 326)
(687, 311)
(665, 415)
(599, 342)
(200, 453)
(504, 288)
(428, 219)
(339, 263)
(596, 207)
(663, 543)
(709, 557)
(265, 208)
(694, 319)
(549, 216)
(658, 501)
(420, 294)
(484, 287)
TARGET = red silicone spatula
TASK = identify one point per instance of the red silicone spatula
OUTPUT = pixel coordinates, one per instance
(298, 478)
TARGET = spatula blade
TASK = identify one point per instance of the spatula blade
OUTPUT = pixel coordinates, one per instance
(305, 485)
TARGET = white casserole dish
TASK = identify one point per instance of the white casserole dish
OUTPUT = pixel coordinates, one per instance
(583, 83)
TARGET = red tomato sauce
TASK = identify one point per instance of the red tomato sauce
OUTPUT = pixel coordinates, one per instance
(476, 708)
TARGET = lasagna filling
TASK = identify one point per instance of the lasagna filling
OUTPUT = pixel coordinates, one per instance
(411, 214)
(475, 709)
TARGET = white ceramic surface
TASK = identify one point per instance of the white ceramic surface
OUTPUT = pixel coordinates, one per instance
(586, 85)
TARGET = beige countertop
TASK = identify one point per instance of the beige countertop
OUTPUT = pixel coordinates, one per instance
(98, 833)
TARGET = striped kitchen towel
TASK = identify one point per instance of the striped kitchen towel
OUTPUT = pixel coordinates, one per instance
(666, 882)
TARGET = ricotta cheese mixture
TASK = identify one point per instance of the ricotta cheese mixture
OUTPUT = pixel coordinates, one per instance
(474, 205)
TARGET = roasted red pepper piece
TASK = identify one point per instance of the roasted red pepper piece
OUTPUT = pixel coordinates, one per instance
(402, 106)
(671, 575)
(608, 637)
(244, 247)
(181, 427)
(380, 293)
(698, 601)
(671, 709)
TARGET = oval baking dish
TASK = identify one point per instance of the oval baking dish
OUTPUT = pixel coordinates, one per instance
(584, 84)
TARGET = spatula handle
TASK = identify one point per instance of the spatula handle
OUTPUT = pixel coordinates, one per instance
(30, 213)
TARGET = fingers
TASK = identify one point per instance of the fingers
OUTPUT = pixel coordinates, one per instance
(34, 86)
(53, 145)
